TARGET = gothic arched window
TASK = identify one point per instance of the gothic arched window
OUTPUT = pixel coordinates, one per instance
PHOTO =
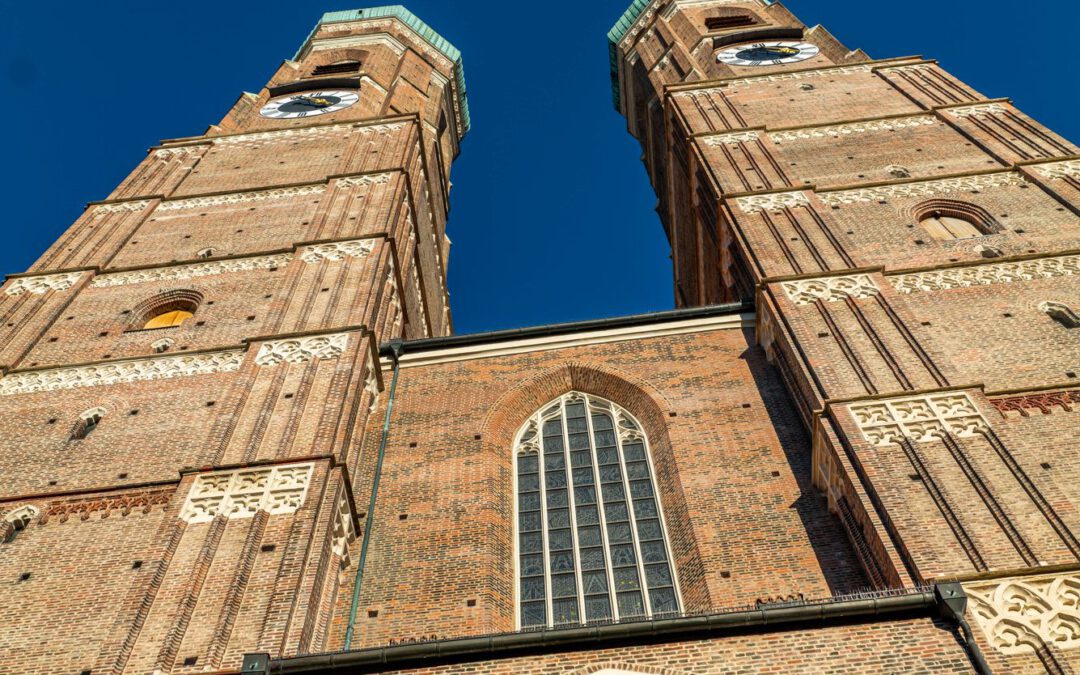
(592, 546)
(946, 219)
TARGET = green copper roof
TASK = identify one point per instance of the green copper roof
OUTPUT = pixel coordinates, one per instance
(422, 29)
(617, 33)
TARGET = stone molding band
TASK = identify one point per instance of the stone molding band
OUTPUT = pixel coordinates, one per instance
(929, 188)
(985, 275)
(1021, 615)
(291, 350)
(42, 284)
(830, 289)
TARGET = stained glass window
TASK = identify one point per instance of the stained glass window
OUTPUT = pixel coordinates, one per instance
(591, 542)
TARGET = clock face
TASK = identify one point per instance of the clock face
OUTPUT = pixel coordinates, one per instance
(308, 104)
(766, 53)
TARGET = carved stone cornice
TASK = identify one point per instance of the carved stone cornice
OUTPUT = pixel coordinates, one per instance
(1023, 614)
(929, 188)
(192, 271)
(780, 77)
(984, 275)
(976, 110)
(776, 201)
(838, 130)
(368, 179)
(123, 504)
(118, 372)
(243, 493)
(1067, 169)
(732, 138)
(830, 289)
(122, 207)
(918, 418)
(1045, 402)
(179, 151)
(241, 197)
(42, 284)
(301, 349)
(358, 248)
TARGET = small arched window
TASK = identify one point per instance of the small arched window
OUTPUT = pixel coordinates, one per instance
(17, 521)
(167, 309)
(88, 422)
(592, 546)
(947, 219)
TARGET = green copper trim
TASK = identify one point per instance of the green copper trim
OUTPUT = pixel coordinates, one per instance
(614, 36)
(422, 29)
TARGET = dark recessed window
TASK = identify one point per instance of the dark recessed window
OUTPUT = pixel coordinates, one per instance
(732, 21)
(337, 68)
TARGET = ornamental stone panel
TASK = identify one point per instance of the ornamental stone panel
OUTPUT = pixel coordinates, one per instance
(241, 494)
(1022, 614)
(830, 289)
(301, 350)
(930, 188)
(920, 418)
(43, 284)
(985, 275)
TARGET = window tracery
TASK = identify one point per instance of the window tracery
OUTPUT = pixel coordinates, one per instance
(591, 541)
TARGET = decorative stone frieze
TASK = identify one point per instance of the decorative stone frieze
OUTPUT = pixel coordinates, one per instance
(122, 207)
(1045, 402)
(839, 130)
(301, 349)
(241, 197)
(344, 530)
(772, 202)
(984, 275)
(830, 289)
(920, 418)
(42, 284)
(369, 179)
(929, 188)
(118, 372)
(732, 138)
(264, 136)
(1022, 614)
(243, 493)
(358, 248)
(195, 270)
(1067, 169)
(977, 110)
(780, 77)
(179, 151)
(371, 386)
(105, 506)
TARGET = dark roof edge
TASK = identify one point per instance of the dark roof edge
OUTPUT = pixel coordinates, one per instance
(431, 344)
(945, 600)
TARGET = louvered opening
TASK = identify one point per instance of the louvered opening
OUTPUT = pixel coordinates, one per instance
(731, 21)
(337, 68)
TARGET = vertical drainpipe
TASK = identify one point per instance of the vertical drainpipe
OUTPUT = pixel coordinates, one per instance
(397, 347)
(952, 603)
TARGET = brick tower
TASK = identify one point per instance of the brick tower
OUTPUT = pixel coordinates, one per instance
(186, 370)
(240, 437)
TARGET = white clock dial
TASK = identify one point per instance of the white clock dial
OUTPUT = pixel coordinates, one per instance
(767, 53)
(308, 104)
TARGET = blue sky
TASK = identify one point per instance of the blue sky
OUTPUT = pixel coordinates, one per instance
(551, 215)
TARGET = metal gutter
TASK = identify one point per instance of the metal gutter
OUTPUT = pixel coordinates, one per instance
(430, 344)
(945, 600)
(395, 352)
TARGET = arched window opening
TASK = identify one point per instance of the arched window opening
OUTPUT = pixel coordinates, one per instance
(17, 521)
(166, 310)
(88, 422)
(1062, 313)
(592, 546)
(946, 219)
(336, 68)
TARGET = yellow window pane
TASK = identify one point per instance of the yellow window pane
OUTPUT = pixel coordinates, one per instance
(174, 318)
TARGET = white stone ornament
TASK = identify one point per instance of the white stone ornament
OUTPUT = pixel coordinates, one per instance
(180, 272)
(929, 188)
(1066, 169)
(921, 419)
(773, 53)
(772, 202)
(42, 284)
(838, 130)
(301, 350)
(243, 493)
(985, 275)
(368, 179)
(241, 197)
(977, 110)
(308, 104)
(733, 138)
(120, 371)
(358, 248)
(121, 207)
(830, 289)
(1022, 614)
